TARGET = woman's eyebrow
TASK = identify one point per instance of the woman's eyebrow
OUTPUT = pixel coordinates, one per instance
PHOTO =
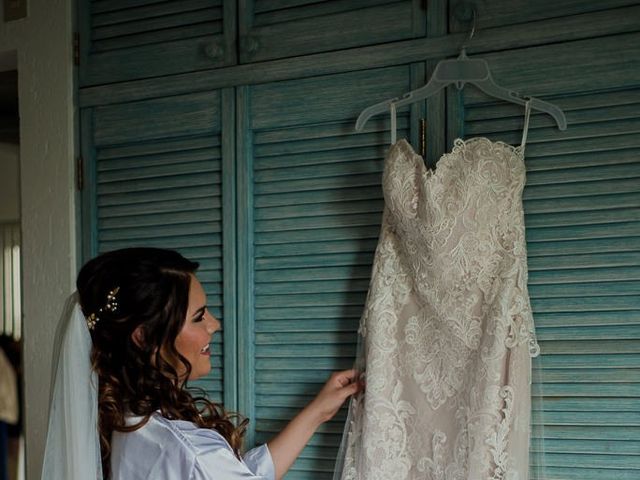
(199, 312)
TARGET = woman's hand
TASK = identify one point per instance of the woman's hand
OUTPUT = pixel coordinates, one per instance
(339, 387)
(288, 444)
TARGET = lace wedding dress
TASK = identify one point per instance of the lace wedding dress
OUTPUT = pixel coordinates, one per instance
(447, 335)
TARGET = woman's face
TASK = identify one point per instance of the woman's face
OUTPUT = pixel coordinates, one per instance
(193, 340)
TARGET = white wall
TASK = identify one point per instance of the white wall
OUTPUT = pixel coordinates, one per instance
(43, 42)
(9, 191)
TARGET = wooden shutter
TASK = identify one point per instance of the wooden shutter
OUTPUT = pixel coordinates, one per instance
(131, 39)
(158, 182)
(312, 224)
(582, 214)
(286, 28)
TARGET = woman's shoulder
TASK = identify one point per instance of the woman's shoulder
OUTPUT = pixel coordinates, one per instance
(178, 434)
(193, 436)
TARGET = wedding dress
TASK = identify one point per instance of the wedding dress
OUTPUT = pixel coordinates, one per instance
(447, 334)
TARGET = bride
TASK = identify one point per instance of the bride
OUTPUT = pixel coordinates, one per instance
(133, 335)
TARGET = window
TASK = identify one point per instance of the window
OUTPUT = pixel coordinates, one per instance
(10, 308)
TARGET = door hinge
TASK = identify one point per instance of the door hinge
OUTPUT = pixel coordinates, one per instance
(76, 49)
(79, 173)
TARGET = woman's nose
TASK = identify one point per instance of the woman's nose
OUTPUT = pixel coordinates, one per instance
(213, 324)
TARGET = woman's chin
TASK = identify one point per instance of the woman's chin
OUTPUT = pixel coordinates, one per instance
(204, 371)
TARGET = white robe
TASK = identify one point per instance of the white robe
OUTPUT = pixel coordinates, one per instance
(179, 450)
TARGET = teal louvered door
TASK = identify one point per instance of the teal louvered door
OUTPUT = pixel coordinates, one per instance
(309, 225)
(582, 214)
(287, 28)
(132, 39)
(156, 180)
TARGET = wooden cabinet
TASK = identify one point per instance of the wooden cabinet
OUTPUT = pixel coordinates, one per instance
(267, 185)
(124, 40)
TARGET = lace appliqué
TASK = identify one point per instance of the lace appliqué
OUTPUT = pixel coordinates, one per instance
(447, 332)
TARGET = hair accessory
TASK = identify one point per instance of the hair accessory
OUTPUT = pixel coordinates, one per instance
(111, 306)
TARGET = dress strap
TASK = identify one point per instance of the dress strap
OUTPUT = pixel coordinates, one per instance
(527, 115)
(392, 108)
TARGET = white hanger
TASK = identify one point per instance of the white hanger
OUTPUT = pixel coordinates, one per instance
(460, 71)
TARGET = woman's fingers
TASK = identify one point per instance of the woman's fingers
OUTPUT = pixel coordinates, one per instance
(354, 388)
(345, 377)
(349, 382)
(336, 390)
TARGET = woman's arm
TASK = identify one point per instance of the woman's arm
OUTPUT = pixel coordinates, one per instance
(288, 444)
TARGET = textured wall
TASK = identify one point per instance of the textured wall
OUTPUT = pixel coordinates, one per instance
(9, 191)
(43, 42)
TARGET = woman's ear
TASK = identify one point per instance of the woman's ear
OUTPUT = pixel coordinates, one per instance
(138, 336)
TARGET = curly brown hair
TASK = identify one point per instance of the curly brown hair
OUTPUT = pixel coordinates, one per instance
(139, 376)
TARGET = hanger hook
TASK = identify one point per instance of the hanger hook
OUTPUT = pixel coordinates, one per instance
(473, 25)
(474, 18)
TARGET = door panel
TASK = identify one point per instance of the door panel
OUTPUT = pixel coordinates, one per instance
(582, 214)
(156, 181)
(286, 28)
(122, 40)
(316, 207)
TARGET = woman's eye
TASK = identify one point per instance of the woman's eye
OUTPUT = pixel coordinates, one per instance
(201, 317)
